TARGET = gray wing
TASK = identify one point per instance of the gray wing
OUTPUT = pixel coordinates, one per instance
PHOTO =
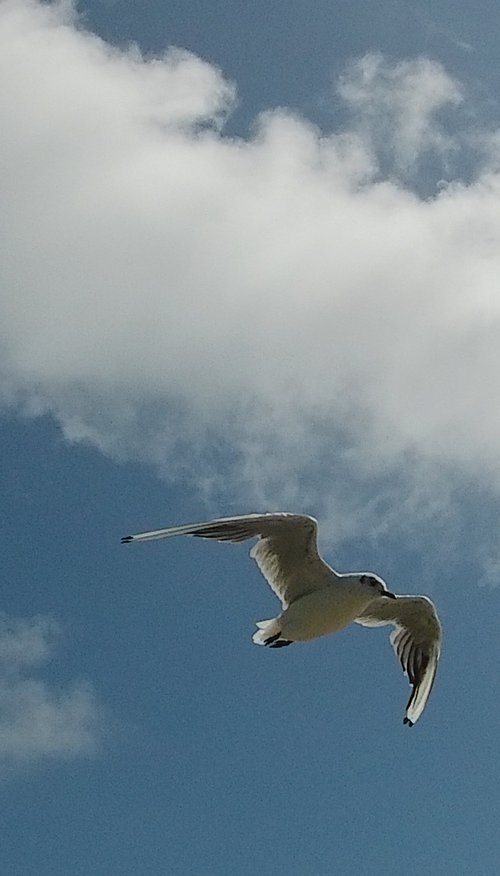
(286, 553)
(416, 640)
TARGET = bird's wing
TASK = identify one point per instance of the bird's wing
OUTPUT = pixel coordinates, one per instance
(416, 640)
(286, 553)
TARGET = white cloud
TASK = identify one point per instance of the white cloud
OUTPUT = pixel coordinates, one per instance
(267, 316)
(39, 720)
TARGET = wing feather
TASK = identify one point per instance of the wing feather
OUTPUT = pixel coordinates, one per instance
(416, 640)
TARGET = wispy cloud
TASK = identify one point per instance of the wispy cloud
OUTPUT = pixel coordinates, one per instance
(397, 106)
(437, 28)
(273, 318)
(39, 720)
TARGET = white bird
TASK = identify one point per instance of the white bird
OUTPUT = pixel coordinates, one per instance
(317, 600)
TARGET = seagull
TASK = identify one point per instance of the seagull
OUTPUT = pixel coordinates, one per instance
(316, 600)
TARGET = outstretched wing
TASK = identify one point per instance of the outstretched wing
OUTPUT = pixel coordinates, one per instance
(416, 641)
(286, 553)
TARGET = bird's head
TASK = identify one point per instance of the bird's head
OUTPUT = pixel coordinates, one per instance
(372, 583)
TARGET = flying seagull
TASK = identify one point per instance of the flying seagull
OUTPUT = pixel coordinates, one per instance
(316, 600)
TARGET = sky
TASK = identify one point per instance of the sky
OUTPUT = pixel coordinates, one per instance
(250, 261)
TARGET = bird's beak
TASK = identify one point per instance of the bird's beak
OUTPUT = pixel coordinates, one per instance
(390, 595)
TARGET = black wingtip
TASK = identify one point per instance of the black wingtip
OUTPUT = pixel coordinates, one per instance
(407, 721)
(127, 539)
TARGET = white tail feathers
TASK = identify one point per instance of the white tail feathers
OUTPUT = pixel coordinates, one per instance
(266, 629)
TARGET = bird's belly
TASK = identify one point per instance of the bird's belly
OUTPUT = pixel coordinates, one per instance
(319, 613)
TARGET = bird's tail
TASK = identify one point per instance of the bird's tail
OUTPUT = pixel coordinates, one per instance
(267, 629)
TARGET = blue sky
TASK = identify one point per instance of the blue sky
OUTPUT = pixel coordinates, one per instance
(260, 273)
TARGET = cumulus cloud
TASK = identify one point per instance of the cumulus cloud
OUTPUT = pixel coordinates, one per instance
(39, 720)
(270, 317)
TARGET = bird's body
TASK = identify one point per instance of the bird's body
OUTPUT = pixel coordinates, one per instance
(319, 613)
(317, 600)
(322, 612)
